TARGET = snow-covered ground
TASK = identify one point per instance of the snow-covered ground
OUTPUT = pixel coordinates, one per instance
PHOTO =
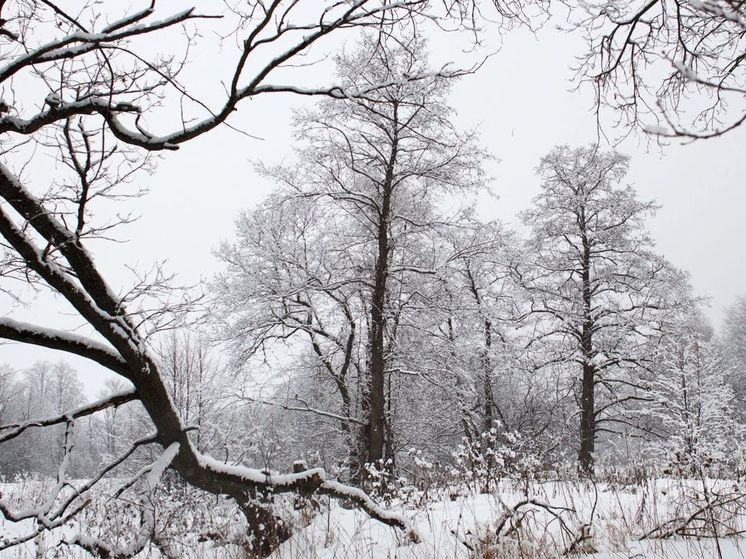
(538, 520)
(465, 526)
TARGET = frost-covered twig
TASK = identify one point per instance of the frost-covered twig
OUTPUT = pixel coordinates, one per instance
(305, 408)
(704, 515)
(510, 512)
(153, 473)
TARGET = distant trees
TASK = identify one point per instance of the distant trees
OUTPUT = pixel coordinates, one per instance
(44, 390)
(593, 283)
(477, 313)
(7, 390)
(692, 403)
(734, 340)
(195, 383)
(111, 425)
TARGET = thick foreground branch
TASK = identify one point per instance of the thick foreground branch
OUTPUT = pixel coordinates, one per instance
(313, 481)
(56, 339)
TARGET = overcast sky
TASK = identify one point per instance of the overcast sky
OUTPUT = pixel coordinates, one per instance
(521, 99)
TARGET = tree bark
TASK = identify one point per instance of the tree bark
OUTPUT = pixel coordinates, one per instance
(588, 381)
(377, 386)
(377, 394)
(587, 420)
(489, 396)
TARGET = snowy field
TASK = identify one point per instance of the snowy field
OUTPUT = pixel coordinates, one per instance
(554, 525)
(657, 519)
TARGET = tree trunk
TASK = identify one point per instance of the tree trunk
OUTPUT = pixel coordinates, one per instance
(488, 410)
(587, 420)
(377, 385)
(587, 396)
(376, 431)
(489, 397)
(467, 421)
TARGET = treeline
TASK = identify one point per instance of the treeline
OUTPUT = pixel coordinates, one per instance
(29, 399)
(44, 391)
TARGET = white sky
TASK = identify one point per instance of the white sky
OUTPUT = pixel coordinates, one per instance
(522, 102)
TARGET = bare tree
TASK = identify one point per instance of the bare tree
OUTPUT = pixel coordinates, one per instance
(292, 278)
(382, 160)
(7, 390)
(44, 390)
(734, 341)
(593, 282)
(195, 383)
(481, 263)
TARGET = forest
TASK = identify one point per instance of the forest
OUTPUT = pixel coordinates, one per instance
(375, 366)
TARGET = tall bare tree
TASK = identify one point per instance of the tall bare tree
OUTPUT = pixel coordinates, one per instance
(372, 169)
(593, 282)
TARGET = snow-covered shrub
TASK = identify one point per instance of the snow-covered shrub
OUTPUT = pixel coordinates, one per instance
(188, 522)
(698, 509)
(495, 455)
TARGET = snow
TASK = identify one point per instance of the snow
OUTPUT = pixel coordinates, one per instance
(53, 100)
(159, 466)
(50, 334)
(685, 70)
(355, 493)
(656, 129)
(254, 476)
(452, 527)
(315, 476)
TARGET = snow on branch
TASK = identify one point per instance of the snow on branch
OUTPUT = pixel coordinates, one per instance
(81, 42)
(270, 29)
(361, 499)
(152, 472)
(56, 339)
(307, 482)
